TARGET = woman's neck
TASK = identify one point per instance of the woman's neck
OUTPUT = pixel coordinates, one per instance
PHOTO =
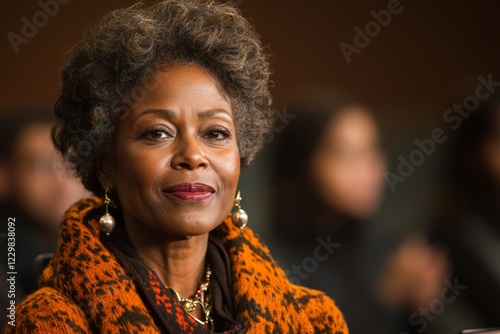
(179, 262)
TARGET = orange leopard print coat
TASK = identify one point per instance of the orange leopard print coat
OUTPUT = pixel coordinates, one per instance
(84, 289)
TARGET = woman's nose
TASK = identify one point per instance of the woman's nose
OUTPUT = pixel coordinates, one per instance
(188, 153)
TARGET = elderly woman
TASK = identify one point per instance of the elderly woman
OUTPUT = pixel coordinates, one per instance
(160, 108)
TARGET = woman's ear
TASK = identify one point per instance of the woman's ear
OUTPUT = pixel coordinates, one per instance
(103, 172)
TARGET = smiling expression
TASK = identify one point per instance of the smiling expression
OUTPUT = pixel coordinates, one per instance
(175, 163)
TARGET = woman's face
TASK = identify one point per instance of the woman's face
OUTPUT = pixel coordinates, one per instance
(176, 162)
(348, 166)
(36, 179)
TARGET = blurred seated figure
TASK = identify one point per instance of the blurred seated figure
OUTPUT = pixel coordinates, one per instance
(468, 215)
(35, 189)
(328, 183)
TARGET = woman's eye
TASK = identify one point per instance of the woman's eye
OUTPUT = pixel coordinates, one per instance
(155, 134)
(218, 134)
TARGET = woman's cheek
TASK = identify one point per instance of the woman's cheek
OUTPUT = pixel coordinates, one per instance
(142, 165)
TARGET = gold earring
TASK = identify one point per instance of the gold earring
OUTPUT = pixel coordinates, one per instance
(107, 222)
(239, 217)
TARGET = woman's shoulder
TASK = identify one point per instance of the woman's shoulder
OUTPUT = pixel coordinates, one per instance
(48, 311)
(259, 280)
(320, 309)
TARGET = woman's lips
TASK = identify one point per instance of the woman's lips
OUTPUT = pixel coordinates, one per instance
(191, 191)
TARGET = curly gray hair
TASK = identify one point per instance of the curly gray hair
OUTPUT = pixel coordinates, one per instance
(108, 71)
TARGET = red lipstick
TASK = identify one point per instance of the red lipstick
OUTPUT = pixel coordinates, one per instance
(191, 191)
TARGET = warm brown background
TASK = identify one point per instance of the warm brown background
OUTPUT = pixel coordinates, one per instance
(409, 74)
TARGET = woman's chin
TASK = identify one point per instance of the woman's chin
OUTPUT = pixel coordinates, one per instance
(190, 227)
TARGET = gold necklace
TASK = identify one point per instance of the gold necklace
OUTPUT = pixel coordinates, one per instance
(201, 298)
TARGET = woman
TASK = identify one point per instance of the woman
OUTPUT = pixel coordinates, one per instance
(336, 167)
(160, 108)
(323, 211)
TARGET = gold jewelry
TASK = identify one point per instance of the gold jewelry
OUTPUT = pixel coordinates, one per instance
(239, 217)
(201, 298)
(107, 222)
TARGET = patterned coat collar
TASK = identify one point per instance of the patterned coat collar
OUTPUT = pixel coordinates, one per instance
(86, 272)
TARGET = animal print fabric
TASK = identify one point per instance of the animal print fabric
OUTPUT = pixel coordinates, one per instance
(85, 290)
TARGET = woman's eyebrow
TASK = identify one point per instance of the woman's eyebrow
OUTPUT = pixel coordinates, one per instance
(212, 112)
(166, 113)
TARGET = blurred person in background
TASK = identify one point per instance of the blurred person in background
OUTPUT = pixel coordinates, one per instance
(35, 189)
(328, 183)
(468, 214)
